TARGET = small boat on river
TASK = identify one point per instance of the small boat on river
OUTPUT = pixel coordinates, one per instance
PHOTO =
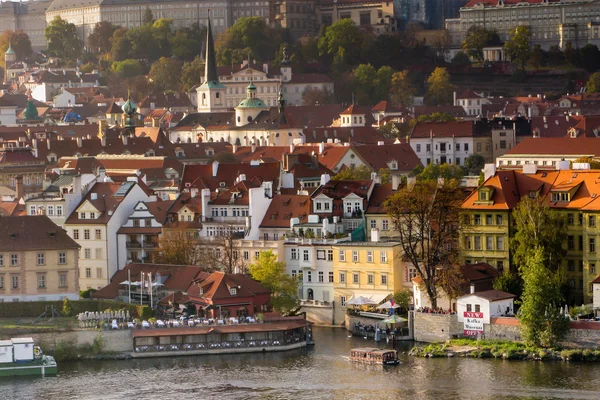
(19, 356)
(373, 355)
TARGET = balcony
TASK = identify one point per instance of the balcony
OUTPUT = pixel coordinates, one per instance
(149, 245)
(133, 245)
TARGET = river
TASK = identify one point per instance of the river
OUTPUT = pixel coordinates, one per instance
(317, 373)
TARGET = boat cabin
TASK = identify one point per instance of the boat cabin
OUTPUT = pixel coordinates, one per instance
(372, 355)
(22, 349)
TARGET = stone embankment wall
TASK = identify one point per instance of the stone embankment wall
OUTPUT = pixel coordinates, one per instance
(319, 315)
(436, 327)
(117, 341)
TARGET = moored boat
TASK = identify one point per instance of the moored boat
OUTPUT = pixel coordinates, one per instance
(19, 356)
(372, 355)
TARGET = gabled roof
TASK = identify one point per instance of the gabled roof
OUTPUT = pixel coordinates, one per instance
(200, 176)
(355, 110)
(217, 287)
(443, 129)
(359, 134)
(36, 232)
(285, 207)
(237, 194)
(343, 188)
(378, 156)
(385, 106)
(566, 146)
(108, 197)
(380, 194)
(492, 295)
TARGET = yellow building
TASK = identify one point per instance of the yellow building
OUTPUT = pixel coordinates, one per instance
(38, 261)
(370, 269)
(485, 233)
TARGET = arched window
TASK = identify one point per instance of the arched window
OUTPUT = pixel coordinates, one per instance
(203, 99)
(249, 119)
(239, 119)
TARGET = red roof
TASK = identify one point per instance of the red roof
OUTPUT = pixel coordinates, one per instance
(106, 201)
(387, 107)
(443, 129)
(494, 3)
(380, 194)
(201, 176)
(378, 156)
(355, 110)
(584, 146)
(217, 287)
(285, 207)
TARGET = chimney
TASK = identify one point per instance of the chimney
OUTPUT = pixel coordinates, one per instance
(77, 185)
(374, 235)
(454, 98)
(101, 174)
(253, 148)
(292, 147)
(321, 147)
(79, 142)
(472, 288)
(194, 192)
(489, 170)
(395, 181)
(34, 145)
(215, 168)
(325, 178)
(20, 191)
(234, 148)
(205, 193)
(155, 122)
(103, 141)
(380, 143)
(124, 137)
(563, 165)
(375, 178)
(48, 143)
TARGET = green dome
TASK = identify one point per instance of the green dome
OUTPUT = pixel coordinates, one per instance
(251, 86)
(10, 50)
(252, 102)
(129, 107)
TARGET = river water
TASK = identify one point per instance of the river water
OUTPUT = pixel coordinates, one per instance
(321, 372)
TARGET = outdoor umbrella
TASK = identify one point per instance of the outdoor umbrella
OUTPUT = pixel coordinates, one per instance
(394, 319)
(386, 305)
(125, 283)
(361, 301)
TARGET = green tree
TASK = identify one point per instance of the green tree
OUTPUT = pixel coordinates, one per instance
(179, 246)
(371, 85)
(542, 324)
(31, 112)
(148, 16)
(474, 164)
(271, 274)
(510, 282)
(362, 172)
(435, 171)
(403, 299)
(143, 43)
(518, 47)
(555, 56)
(538, 226)
(100, 38)
(184, 47)
(537, 57)
(120, 45)
(313, 95)
(67, 308)
(402, 90)
(62, 39)
(589, 57)
(127, 68)
(426, 219)
(571, 54)
(166, 74)
(191, 73)
(342, 42)
(436, 117)
(19, 42)
(162, 34)
(461, 59)
(477, 38)
(452, 281)
(439, 88)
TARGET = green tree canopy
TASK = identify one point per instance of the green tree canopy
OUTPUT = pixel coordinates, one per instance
(120, 45)
(342, 42)
(271, 274)
(589, 57)
(166, 74)
(542, 324)
(362, 172)
(62, 38)
(371, 85)
(31, 112)
(19, 42)
(99, 40)
(402, 89)
(186, 43)
(435, 171)
(474, 164)
(436, 117)
(461, 59)
(127, 68)
(191, 73)
(439, 88)
(477, 38)
(313, 95)
(517, 47)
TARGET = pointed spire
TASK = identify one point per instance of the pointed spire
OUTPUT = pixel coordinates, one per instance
(211, 74)
(10, 49)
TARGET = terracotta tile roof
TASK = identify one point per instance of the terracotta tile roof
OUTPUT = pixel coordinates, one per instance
(340, 189)
(558, 146)
(377, 156)
(385, 106)
(200, 176)
(468, 94)
(159, 209)
(380, 194)
(179, 277)
(285, 207)
(11, 208)
(479, 271)
(273, 153)
(186, 200)
(553, 126)
(106, 202)
(455, 111)
(360, 134)
(33, 233)
(597, 280)
(237, 194)
(443, 129)
(313, 116)
(355, 110)
(492, 295)
(216, 287)
(494, 3)
(166, 100)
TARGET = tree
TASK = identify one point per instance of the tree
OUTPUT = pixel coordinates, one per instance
(426, 219)
(542, 324)
(120, 45)
(403, 299)
(342, 42)
(127, 68)
(402, 90)
(537, 57)
(555, 56)
(143, 43)
(67, 308)
(148, 16)
(435, 171)
(571, 54)
(593, 84)
(371, 85)
(538, 227)
(510, 282)
(179, 246)
(191, 73)
(222, 253)
(162, 34)
(100, 38)
(166, 74)
(474, 164)
(477, 38)
(594, 164)
(31, 112)
(62, 39)
(362, 172)
(460, 59)
(589, 57)
(314, 96)
(452, 281)
(18, 41)
(518, 47)
(271, 274)
(439, 88)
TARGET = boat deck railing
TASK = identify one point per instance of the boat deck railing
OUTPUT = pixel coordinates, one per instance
(218, 345)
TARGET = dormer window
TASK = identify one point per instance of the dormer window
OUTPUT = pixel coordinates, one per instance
(201, 291)
(233, 291)
(483, 196)
(92, 215)
(82, 215)
(561, 196)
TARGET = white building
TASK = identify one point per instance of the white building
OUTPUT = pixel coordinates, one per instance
(64, 99)
(443, 143)
(491, 303)
(8, 112)
(94, 224)
(471, 102)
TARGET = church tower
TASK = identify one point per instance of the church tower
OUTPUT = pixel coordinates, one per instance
(211, 94)
(10, 57)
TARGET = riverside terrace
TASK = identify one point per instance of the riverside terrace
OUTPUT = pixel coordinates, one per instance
(278, 335)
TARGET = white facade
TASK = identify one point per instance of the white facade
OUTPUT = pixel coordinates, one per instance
(8, 115)
(475, 303)
(442, 150)
(64, 100)
(473, 106)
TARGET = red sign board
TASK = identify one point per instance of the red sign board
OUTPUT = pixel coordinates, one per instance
(473, 322)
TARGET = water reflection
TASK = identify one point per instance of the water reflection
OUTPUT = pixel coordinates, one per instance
(321, 372)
